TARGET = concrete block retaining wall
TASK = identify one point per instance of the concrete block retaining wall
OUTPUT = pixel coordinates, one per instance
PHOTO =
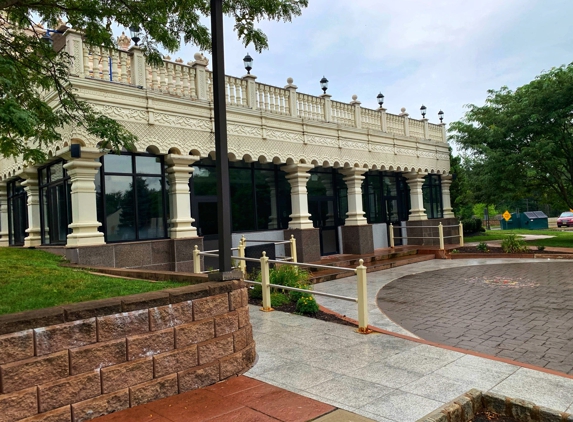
(81, 361)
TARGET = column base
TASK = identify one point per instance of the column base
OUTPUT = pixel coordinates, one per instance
(357, 240)
(85, 239)
(307, 244)
(32, 242)
(417, 215)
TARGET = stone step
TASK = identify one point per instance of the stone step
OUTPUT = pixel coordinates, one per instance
(353, 260)
(322, 275)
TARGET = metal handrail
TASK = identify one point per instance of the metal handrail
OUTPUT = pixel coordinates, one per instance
(312, 292)
(283, 242)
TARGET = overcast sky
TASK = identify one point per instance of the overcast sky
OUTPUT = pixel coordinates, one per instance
(440, 53)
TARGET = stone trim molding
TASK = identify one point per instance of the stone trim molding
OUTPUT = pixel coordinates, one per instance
(85, 360)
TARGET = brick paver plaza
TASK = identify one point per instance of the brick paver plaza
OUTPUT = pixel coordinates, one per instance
(519, 311)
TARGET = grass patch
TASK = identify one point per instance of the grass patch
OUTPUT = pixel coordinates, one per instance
(33, 279)
(562, 239)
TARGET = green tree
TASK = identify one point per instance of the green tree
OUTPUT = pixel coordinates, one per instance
(521, 142)
(30, 67)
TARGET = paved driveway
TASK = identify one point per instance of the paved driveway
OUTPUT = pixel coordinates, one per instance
(520, 311)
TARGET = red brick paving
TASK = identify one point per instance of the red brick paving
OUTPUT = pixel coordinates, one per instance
(518, 311)
(235, 400)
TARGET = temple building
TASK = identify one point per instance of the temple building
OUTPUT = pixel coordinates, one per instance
(333, 174)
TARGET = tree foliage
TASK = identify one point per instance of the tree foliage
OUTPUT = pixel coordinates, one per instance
(30, 68)
(521, 142)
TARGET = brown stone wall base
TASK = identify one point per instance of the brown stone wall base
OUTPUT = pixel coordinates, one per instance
(357, 240)
(307, 244)
(422, 232)
(122, 352)
(153, 255)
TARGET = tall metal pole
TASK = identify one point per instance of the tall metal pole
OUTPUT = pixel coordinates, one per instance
(221, 150)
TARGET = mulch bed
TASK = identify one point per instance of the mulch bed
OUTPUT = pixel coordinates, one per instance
(291, 309)
(495, 249)
(492, 417)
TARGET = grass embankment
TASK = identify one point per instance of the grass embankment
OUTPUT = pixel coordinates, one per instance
(33, 279)
(562, 239)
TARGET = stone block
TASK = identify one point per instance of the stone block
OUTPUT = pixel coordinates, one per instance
(100, 406)
(19, 405)
(169, 316)
(125, 324)
(210, 307)
(232, 365)
(162, 252)
(522, 410)
(549, 415)
(125, 375)
(211, 350)
(249, 355)
(156, 389)
(235, 300)
(62, 414)
(144, 301)
(240, 339)
(453, 410)
(133, 254)
(149, 344)
(97, 356)
(68, 390)
(226, 324)
(20, 321)
(101, 256)
(467, 407)
(26, 373)
(184, 294)
(16, 346)
(244, 317)
(199, 377)
(244, 297)
(91, 309)
(65, 336)
(307, 244)
(494, 403)
(357, 240)
(218, 288)
(175, 361)
(194, 333)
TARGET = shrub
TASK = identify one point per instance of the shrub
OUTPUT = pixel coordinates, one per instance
(278, 299)
(541, 248)
(295, 296)
(472, 225)
(482, 247)
(256, 292)
(307, 305)
(511, 244)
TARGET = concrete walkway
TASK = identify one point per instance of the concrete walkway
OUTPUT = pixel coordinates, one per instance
(384, 377)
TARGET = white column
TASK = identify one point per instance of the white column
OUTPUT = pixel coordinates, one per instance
(178, 173)
(446, 199)
(292, 97)
(273, 218)
(82, 173)
(30, 176)
(415, 181)
(251, 90)
(4, 233)
(353, 178)
(298, 177)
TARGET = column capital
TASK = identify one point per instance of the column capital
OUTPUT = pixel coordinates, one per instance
(181, 160)
(353, 172)
(297, 168)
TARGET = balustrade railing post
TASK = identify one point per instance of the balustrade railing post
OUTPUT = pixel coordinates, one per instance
(293, 248)
(75, 48)
(200, 66)
(357, 111)
(251, 90)
(265, 279)
(292, 102)
(383, 121)
(196, 260)
(461, 234)
(406, 121)
(444, 134)
(138, 67)
(327, 112)
(391, 235)
(362, 298)
(426, 129)
(441, 235)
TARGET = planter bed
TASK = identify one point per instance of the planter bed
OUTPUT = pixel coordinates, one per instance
(472, 252)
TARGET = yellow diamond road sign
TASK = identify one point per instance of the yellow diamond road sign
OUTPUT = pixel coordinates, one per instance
(506, 215)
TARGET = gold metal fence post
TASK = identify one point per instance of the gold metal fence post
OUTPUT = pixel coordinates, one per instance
(392, 235)
(461, 234)
(441, 234)
(293, 248)
(196, 260)
(242, 262)
(362, 298)
(265, 278)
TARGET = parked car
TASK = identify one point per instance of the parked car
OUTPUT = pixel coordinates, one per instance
(565, 219)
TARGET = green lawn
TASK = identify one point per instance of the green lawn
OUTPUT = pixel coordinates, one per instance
(562, 239)
(32, 279)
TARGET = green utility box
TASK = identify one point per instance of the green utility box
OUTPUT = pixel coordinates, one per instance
(532, 220)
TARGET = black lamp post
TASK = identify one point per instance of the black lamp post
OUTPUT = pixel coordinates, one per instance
(423, 111)
(135, 34)
(248, 61)
(441, 116)
(324, 84)
(380, 98)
